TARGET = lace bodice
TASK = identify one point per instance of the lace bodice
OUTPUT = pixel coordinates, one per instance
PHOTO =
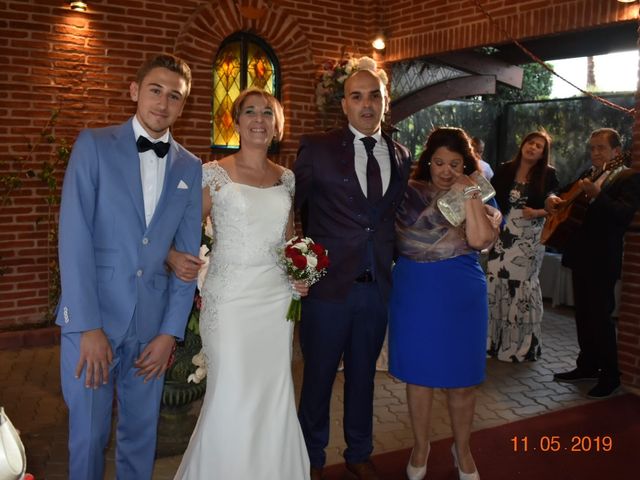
(249, 223)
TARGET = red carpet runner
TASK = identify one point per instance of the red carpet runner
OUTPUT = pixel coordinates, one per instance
(599, 440)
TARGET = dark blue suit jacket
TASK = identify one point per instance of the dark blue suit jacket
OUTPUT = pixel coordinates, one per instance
(598, 243)
(336, 213)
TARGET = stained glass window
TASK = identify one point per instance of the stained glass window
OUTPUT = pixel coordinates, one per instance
(243, 61)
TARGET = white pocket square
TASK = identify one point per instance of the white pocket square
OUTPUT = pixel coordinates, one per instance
(183, 186)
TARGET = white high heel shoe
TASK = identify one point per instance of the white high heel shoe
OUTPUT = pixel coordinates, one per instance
(461, 475)
(417, 473)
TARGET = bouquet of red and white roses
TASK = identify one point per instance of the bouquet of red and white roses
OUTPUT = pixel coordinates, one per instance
(305, 260)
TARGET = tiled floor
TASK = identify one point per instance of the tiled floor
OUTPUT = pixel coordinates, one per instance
(31, 395)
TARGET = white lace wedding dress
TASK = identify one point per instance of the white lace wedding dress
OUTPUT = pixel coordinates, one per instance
(248, 428)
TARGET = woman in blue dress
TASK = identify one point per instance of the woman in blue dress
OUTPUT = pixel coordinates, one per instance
(438, 307)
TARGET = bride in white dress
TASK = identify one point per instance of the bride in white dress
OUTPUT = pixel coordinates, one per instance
(248, 427)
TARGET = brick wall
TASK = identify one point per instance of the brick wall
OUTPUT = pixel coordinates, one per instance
(82, 63)
(423, 27)
(629, 320)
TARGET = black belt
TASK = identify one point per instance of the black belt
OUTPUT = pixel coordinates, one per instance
(365, 277)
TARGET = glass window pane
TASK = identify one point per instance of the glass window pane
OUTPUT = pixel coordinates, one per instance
(244, 62)
(259, 69)
(226, 88)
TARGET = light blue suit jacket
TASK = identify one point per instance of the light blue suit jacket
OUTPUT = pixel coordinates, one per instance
(111, 264)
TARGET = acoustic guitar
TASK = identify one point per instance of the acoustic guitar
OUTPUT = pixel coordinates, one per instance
(560, 225)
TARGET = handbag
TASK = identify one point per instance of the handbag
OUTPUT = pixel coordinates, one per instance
(13, 461)
(451, 204)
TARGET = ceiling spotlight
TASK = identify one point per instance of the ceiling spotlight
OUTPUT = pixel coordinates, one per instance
(626, 1)
(77, 6)
(379, 41)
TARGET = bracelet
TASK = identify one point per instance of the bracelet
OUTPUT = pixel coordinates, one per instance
(471, 193)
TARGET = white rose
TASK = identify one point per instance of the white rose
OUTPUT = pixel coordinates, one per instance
(301, 246)
(312, 261)
(367, 63)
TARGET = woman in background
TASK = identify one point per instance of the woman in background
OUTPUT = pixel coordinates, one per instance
(438, 306)
(515, 298)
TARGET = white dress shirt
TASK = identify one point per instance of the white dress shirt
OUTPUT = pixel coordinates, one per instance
(380, 151)
(487, 171)
(152, 171)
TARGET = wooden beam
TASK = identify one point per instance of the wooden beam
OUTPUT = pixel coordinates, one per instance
(459, 87)
(478, 64)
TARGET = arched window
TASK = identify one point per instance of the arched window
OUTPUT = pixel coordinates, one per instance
(243, 61)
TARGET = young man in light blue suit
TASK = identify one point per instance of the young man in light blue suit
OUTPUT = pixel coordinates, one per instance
(130, 192)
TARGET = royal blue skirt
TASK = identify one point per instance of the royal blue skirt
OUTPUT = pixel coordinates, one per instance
(438, 322)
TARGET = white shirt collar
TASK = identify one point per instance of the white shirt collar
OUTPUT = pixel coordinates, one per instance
(138, 130)
(377, 135)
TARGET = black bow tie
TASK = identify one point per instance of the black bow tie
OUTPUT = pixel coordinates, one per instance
(160, 148)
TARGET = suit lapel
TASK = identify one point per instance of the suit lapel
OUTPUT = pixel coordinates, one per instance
(128, 162)
(395, 161)
(348, 161)
(171, 179)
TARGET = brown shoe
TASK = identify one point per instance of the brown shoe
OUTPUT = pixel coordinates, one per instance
(363, 471)
(316, 473)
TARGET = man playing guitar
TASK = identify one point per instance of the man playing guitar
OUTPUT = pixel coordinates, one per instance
(594, 254)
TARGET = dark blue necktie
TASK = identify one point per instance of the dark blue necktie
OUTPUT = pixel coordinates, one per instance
(160, 148)
(374, 179)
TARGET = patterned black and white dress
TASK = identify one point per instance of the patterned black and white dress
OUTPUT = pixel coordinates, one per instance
(515, 298)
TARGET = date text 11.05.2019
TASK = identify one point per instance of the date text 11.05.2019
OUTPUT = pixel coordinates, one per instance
(556, 443)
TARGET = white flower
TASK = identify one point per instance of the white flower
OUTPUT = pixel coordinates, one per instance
(202, 273)
(301, 246)
(208, 228)
(200, 361)
(367, 63)
(198, 376)
(383, 76)
(312, 261)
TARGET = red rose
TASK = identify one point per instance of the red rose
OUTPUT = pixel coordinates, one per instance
(291, 252)
(323, 262)
(299, 261)
(317, 249)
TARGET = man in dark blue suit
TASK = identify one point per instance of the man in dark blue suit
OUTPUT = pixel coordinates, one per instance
(349, 183)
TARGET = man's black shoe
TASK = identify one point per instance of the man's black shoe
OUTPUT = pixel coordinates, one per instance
(603, 389)
(575, 375)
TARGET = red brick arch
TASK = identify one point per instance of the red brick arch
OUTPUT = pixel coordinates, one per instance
(210, 23)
